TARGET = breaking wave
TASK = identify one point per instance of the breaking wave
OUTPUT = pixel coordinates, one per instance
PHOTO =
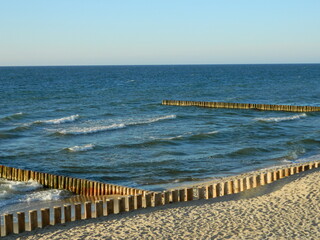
(280, 119)
(47, 195)
(12, 116)
(103, 128)
(82, 148)
(60, 120)
(88, 130)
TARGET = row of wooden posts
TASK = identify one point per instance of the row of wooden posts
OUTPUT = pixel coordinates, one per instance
(266, 107)
(76, 185)
(110, 206)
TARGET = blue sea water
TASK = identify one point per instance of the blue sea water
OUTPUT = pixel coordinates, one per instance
(107, 123)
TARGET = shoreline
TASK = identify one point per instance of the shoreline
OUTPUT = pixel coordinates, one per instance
(26, 206)
(241, 175)
(287, 208)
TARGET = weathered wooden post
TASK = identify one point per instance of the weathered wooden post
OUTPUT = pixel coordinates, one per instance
(45, 217)
(21, 222)
(8, 224)
(33, 220)
(67, 213)
(56, 215)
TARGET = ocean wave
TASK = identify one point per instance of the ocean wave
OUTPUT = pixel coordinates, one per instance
(18, 187)
(12, 116)
(60, 120)
(114, 126)
(47, 195)
(82, 148)
(21, 128)
(88, 130)
(155, 142)
(280, 119)
(192, 136)
(150, 120)
(8, 136)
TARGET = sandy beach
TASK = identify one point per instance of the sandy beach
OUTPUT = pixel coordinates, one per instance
(286, 209)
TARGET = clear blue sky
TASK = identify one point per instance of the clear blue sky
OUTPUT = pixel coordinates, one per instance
(116, 32)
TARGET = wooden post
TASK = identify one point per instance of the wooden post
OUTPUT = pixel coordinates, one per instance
(67, 213)
(220, 189)
(8, 224)
(87, 210)
(77, 211)
(262, 179)
(130, 203)
(166, 197)
(241, 184)
(99, 208)
(189, 194)
(175, 196)
(110, 206)
(229, 187)
(269, 177)
(275, 175)
(138, 201)
(56, 215)
(292, 170)
(182, 194)
(247, 183)
(45, 217)
(122, 204)
(33, 220)
(21, 222)
(281, 174)
(235, 186)
(148, 200)
(209, 191)
(202, 192)
(158, 199)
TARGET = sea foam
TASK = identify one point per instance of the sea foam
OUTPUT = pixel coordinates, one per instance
(88, 130)
(47, 195)
(12, 116)
(280, 119)
(82, 148)
(60, 120)
(102, 128)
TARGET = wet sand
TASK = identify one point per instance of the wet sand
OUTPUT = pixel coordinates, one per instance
(286, 209)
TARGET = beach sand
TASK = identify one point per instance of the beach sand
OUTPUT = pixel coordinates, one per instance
(286, 209)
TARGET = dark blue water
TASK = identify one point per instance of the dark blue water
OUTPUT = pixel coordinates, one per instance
(107, 123)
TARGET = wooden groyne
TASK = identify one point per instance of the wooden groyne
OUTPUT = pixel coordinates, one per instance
(264, 107)
(28, 221)
(76, 185)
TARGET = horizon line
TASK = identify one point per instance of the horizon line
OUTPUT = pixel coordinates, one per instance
(175, 64)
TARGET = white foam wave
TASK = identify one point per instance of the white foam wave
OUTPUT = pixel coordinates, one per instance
(15, 186)
(12, 116)
(150, 120)
(60, 120)
(3, 193)
(102, 128)
(88, 130)
(48, 195)
(158, 119)
(309, 159)
(190, 134)
(16, 114)
(279, 119)
(82, 148)
(213, 132)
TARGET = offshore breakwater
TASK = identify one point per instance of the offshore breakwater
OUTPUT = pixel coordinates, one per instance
(264, 107)
(28, 221)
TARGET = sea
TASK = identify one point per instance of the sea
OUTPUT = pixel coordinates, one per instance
(107, 123)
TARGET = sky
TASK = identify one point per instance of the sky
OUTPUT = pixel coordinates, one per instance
(135, 32)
